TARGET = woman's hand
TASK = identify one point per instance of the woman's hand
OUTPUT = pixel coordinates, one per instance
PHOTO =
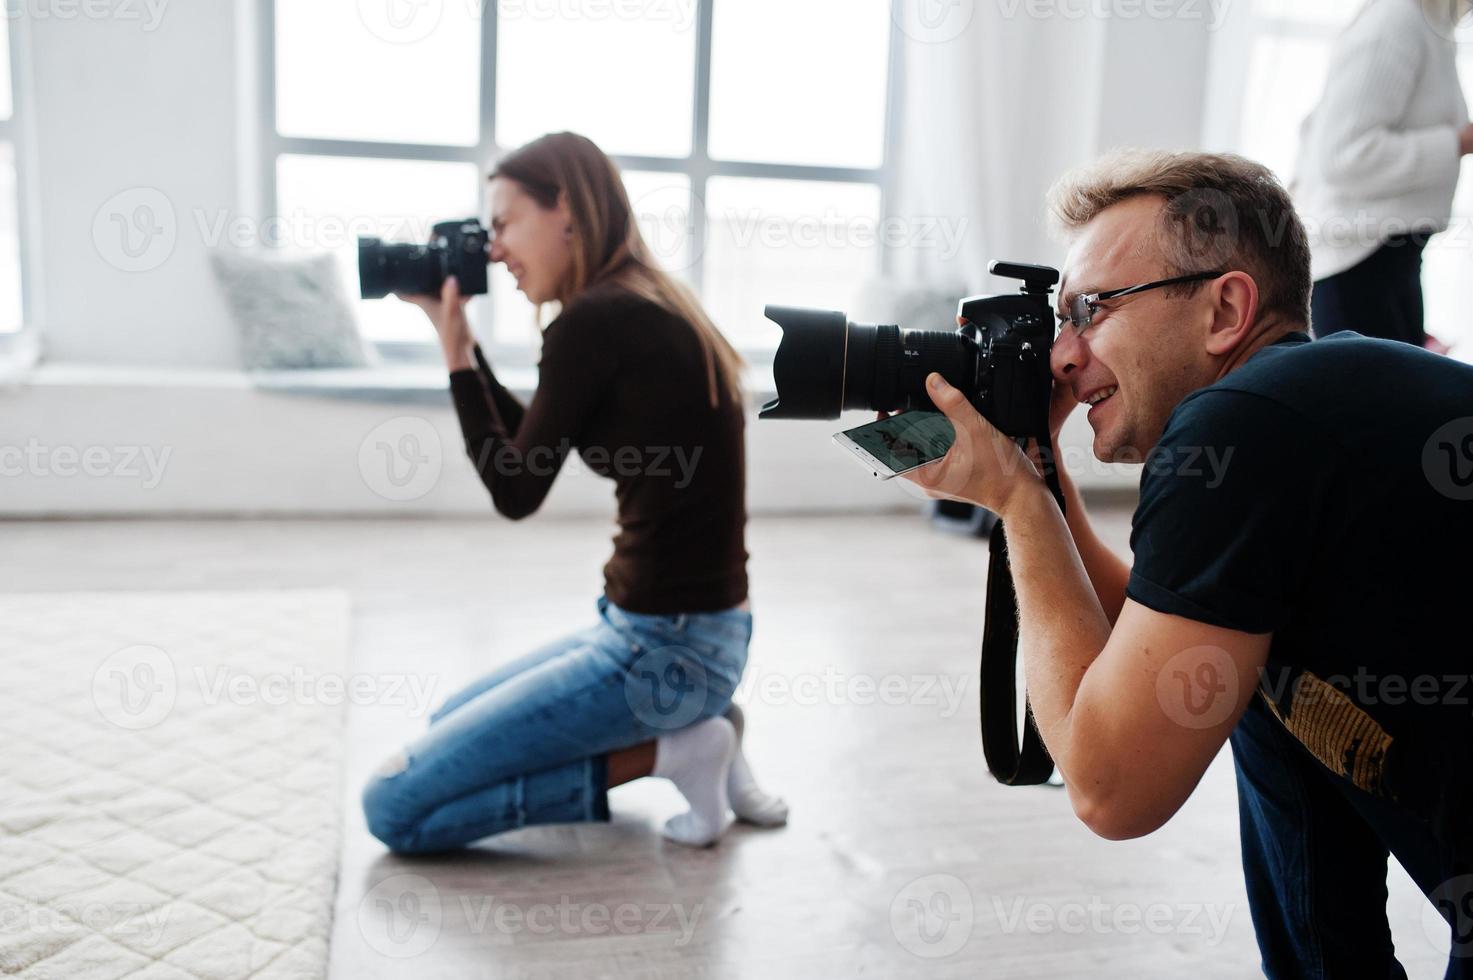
(447, 313)
(983, 466)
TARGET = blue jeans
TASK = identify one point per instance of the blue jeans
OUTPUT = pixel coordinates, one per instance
(526, 744)
(1314, 859)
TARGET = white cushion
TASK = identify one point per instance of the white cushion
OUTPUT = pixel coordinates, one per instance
(291, 312)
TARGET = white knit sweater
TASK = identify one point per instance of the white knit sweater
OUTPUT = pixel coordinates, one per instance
(1379, 154)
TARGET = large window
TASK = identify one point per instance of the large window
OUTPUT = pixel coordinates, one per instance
(1287, 64)
(751, 134)
(12, 310)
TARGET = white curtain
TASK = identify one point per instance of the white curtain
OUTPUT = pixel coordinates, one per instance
(993, 106)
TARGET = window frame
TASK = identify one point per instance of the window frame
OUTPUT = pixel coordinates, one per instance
(17, 131)
(697, 166)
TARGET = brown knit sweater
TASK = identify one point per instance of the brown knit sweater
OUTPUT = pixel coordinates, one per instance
(624, 383)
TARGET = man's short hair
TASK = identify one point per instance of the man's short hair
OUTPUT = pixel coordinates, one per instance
(1222, 212)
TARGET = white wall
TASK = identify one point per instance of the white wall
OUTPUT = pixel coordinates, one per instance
(150, 113)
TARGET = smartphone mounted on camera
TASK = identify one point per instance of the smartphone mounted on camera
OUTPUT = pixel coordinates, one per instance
(900, 443)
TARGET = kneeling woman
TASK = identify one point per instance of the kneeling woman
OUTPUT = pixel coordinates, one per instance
(637, 379)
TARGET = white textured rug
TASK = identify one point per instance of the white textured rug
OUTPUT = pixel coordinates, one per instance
(170, 783)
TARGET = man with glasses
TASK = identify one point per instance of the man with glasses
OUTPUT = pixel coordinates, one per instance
(1290, 601)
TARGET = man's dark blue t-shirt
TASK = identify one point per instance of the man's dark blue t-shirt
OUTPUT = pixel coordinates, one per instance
(1323, 492)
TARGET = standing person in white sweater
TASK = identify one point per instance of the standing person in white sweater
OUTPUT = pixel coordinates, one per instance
(1379, 161)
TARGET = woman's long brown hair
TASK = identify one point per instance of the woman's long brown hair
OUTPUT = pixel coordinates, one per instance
(608, 248)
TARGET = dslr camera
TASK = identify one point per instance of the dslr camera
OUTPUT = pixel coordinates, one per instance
(456, 248)
(998, 357)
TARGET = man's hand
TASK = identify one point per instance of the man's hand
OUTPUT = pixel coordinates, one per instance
(1062, 404)
(1465, 140)
(447, 313)
(983, 466)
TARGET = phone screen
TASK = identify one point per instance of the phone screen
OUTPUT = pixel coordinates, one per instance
(903, 442)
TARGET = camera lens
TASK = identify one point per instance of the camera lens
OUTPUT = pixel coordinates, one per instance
(385, 269)
(825, 365)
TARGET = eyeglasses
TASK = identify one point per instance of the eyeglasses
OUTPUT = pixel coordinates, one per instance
(1084, 306)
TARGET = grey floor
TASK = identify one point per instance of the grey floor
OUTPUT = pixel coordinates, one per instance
(902, 858)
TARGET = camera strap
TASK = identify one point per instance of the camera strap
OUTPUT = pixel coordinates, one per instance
(1012, 764)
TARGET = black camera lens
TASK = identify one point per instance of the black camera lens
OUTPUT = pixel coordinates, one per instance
(384, 268)
(826, 365)
(456, 248)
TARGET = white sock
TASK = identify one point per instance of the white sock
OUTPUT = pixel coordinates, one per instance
(750, 802)
(697, 760)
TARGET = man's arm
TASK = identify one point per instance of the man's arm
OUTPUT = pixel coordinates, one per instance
(1107, 572)
(1132, 715)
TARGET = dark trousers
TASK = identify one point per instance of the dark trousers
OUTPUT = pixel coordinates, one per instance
(1381, 296)
(1314, 859)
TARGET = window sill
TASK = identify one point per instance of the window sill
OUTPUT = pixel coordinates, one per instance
(397, 384)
